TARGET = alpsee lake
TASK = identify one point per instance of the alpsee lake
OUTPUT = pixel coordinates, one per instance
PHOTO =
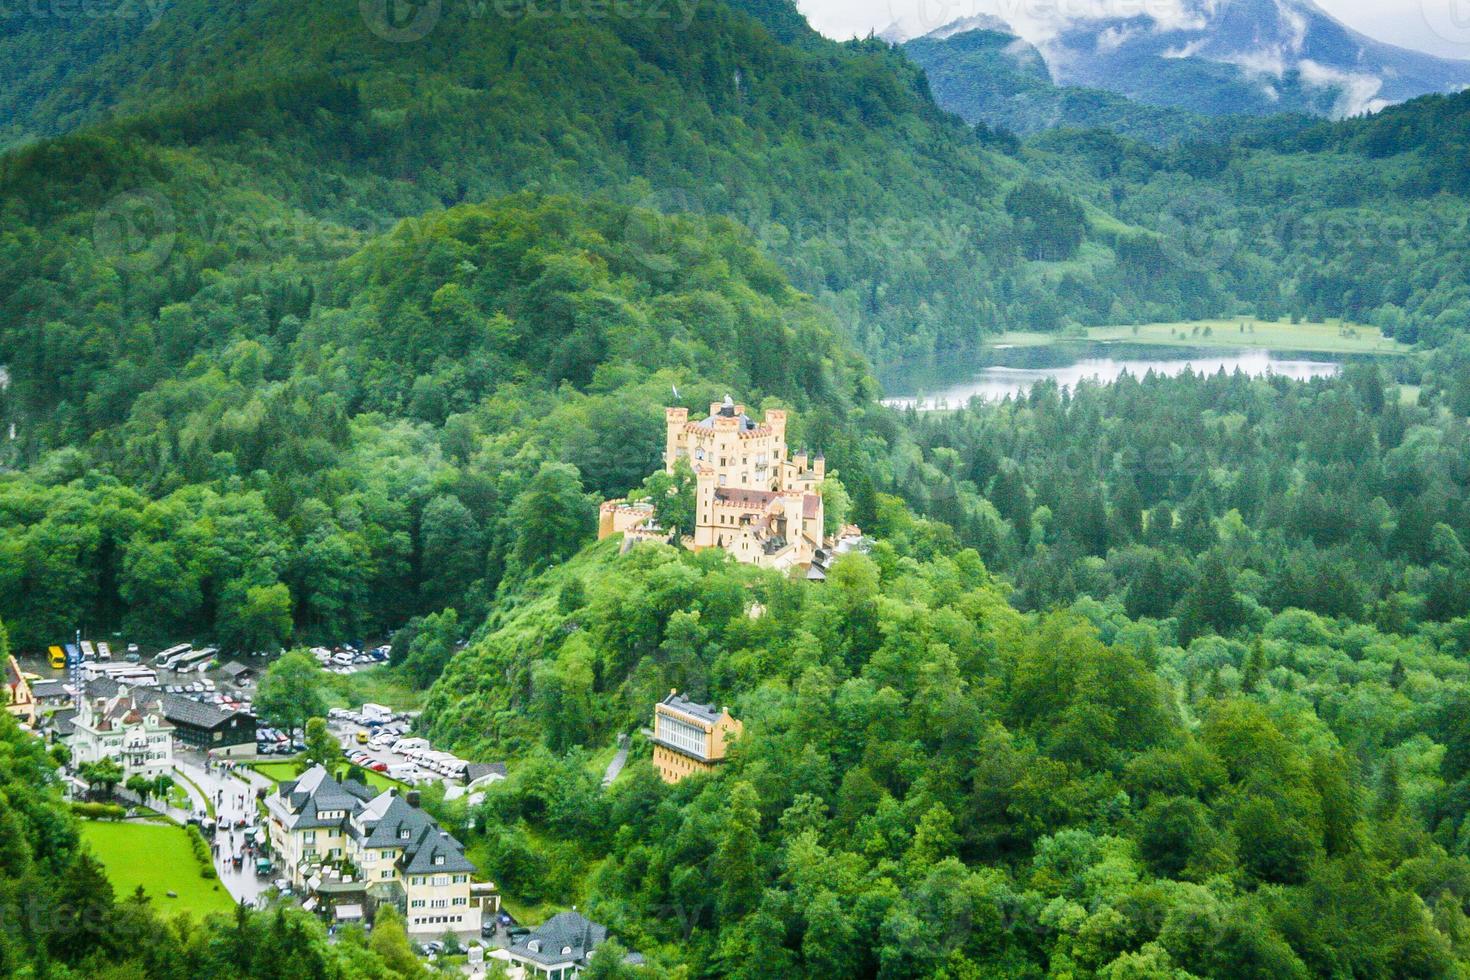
(1012, 371)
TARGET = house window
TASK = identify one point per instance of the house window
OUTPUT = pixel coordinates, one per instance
(417, 903)
(309, 837)
(461, 901)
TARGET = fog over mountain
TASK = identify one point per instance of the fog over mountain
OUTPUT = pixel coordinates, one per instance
(1212, 56)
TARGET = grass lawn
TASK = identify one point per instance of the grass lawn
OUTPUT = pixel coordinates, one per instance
(157, 857)
(278, 772)
(1332, 337)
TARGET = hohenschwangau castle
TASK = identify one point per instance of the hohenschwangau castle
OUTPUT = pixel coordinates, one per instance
(751, 499)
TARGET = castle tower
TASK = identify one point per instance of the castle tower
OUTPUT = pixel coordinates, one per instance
(674, 420)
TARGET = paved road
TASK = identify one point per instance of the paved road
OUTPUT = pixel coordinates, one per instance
(618, 761)
(233, 801)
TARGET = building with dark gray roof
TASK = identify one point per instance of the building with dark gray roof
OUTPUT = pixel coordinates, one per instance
(397, 853)
(559, 949)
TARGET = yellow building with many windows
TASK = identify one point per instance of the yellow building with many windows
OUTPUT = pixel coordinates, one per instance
(690, 738)
(396, 852)
(752, 497)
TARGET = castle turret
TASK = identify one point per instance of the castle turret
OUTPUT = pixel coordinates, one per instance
(674, 420)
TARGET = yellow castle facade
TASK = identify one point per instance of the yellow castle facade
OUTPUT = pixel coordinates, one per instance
(752, 497)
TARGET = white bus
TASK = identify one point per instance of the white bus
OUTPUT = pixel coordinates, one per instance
(162, 658)
(193, 660)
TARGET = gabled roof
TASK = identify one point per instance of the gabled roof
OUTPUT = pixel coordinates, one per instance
(387, 817)
(317, 792)
(565, 937)
(186, 711)
(435, 852)
(65, 721)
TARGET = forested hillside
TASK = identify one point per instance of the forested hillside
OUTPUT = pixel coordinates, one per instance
(872, 198)
(1365, 219)
(994, 78)
(337, 462)
(931, 784)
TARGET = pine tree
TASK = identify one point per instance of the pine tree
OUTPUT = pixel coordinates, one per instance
(1255, 668)
(1390, 790)
(735, 855)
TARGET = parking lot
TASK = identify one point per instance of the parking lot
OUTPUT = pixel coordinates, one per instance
(382, 742)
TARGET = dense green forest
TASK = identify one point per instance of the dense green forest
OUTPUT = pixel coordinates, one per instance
(1335, 496)
(445, 412)
(313, 336)
(932, 783)
(873, 199)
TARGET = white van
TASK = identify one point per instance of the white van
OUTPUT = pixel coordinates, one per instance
(405, 746)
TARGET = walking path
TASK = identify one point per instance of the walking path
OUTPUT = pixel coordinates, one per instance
(618, 761)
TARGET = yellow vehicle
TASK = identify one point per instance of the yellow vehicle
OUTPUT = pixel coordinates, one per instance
(362, 738)
(58, 658)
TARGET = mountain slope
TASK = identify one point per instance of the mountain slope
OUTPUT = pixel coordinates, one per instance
(875, 200)
(1227, 57)
(996, 78)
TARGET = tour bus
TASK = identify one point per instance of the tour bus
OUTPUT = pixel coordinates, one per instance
(58, 658)
(162, 658)
(89, 652)
(73, 653)
(104, 652)
(192, 659)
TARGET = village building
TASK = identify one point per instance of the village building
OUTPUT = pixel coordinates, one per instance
(752, 497)
(559, 949)
(126, 725)
(690, 738)
(208, 728)
(20, 703)
(358, 848)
